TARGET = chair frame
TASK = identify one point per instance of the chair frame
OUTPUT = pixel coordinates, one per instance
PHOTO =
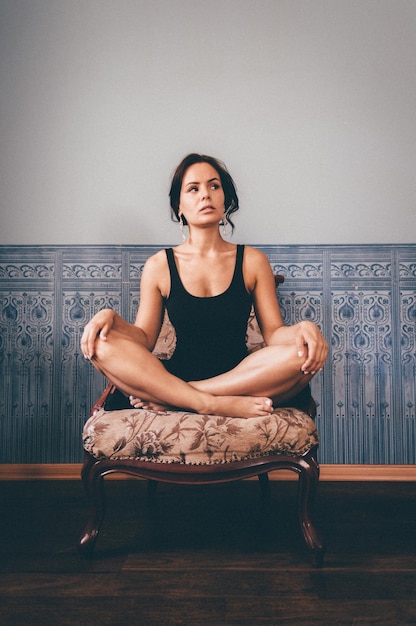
(306, 466)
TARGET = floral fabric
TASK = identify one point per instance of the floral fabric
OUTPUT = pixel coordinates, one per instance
(189, 438)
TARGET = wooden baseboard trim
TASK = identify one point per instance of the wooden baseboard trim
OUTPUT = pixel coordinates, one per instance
(72, 471)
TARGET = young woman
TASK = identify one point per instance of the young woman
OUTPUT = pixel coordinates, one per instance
(208, 286)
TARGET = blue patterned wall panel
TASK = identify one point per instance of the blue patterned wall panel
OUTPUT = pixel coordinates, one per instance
(91, 281)
(362, 370)
(302, 297)
(407, 355)
(408, 368)
(362, 297)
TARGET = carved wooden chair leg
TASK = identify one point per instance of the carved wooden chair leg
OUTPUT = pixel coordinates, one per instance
(264, 486)
(94, 487)
(308, 482)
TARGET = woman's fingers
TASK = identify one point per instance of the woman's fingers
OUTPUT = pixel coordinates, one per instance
(313, 348)
(317, 354)
(101, 325)
(88, 341)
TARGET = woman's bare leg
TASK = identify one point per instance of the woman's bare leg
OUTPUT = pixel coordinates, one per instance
(273, 371)
(134, 370)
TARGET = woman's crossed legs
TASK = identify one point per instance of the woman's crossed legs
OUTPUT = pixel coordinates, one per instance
(268, 376)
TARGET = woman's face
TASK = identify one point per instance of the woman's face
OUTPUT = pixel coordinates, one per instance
(202, 198)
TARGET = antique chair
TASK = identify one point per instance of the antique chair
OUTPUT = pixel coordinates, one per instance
(188, 448)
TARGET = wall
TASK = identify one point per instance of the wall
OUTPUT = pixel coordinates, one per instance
(311, 103)
(363, 298)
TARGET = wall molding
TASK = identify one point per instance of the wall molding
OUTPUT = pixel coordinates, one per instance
(329, 472)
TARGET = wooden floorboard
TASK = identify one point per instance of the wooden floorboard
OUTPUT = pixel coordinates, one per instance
(207, 556)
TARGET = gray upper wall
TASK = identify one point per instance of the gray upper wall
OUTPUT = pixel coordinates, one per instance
(310, 103)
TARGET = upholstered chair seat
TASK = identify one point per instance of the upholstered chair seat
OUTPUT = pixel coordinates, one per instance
(190, 439)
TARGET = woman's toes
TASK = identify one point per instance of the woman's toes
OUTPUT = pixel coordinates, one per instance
(267, 405)
(135, 402)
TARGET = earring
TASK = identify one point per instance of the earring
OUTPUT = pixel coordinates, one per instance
(182, 227)
(224, 223)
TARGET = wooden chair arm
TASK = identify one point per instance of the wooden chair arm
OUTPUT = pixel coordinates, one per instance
(101, 400)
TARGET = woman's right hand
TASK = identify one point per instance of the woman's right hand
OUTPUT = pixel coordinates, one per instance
(100, 324)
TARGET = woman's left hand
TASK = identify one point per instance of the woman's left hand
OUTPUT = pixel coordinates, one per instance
(311, 344)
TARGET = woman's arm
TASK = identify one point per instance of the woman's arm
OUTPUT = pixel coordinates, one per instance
(310, 343)
(146, 328)
(154, 287)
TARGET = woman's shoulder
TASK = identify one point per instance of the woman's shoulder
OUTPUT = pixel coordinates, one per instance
(156, 260)
(256, 267)
(255, 257)
(155, 275)
(155, 267)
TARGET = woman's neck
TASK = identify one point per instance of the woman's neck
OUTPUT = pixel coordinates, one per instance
(205, 241)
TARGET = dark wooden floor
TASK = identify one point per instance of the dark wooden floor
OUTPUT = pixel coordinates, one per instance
(207, 556)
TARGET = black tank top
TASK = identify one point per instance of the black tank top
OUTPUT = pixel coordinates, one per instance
(210, 332)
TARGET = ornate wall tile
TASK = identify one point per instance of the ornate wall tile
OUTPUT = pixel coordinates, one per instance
(136, 270)
(134, 306)
(91, 271)
(407, 270)
(408, 353)
(80, 306)
(362, 358)
(360, 269)
(26, 362)
(301, 305)
(305, 305)
(80, 383)
(24, 271)
(298, 270)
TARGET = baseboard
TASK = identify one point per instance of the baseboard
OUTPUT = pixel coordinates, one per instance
(72, 471)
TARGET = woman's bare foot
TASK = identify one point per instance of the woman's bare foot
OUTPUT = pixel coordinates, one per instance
(225, 406)
(149, 405)
(240, 406)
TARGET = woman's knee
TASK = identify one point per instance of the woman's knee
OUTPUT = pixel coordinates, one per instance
(281, 357)
(103, 349)
(111, 346)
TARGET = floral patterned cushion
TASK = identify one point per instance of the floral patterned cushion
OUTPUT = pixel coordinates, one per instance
(190, 438)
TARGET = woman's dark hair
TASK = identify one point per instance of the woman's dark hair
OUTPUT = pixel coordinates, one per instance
(230, 193)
